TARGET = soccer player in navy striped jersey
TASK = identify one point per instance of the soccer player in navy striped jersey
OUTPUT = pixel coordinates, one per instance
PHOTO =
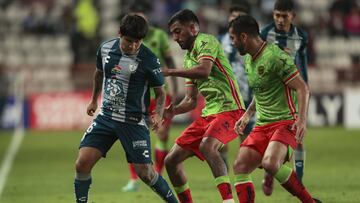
(292, 40)
(125, 72)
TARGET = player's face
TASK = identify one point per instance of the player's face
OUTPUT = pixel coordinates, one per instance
(238, 41)
(129, 45)
(283, 19)
(183, 34)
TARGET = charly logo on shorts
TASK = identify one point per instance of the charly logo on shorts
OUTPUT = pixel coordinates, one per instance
(139, 144)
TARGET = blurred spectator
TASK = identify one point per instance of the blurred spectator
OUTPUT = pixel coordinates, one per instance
(352, 21)
(40, 19)
(4, 88)
(84, 38)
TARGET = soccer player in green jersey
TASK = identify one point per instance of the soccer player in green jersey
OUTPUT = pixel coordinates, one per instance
(158, 42)
(281, 118)
(293, 40)
(207, 70)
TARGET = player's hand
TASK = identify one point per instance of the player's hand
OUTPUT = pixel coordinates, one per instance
(156, 121)
(300, 127)
(169, 112)
(241, 124)
(91, 108)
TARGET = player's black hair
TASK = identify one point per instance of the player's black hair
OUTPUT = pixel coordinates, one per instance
(284, 5)
(239, 8)
(183, 16)
(245, 24)
(133, 26)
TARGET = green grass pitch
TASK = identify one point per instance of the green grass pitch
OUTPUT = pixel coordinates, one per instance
(43, 171)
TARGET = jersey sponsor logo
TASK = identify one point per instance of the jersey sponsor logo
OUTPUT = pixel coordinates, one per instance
(116, 69)
(158, 61)
(138, 144)
(146, 154)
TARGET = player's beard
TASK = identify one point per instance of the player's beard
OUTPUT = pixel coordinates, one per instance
(241, 49)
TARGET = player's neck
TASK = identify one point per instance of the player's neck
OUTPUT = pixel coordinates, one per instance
(258, 43)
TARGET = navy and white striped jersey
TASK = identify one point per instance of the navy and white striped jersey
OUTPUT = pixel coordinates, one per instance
(126, 82)
(294, 43)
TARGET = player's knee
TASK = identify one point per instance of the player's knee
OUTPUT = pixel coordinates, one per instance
(207, 149)
(240, 167)
(146, 175)
(270, 164)
(169, 160)
(82, 166)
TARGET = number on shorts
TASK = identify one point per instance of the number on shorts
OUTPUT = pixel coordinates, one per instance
(90, 128)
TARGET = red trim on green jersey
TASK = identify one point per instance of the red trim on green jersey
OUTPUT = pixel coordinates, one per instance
(290, 102)
(291, 77)
(206, 57)
(231, 82)
(259, 51)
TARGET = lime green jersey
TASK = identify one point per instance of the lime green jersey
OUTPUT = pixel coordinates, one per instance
(268, 73)
(220, 89)
(158, 42)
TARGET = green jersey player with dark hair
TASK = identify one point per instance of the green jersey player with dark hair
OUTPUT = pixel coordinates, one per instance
(281, 99)
(207, 71)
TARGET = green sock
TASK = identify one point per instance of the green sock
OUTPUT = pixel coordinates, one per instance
(182, 188)
(283, 174)
(242, 178)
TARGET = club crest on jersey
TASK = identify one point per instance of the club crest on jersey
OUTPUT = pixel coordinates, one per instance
(133, 66)
(261, 70)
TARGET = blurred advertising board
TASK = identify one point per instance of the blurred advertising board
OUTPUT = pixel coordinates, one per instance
(352, 108)
(59, 111)
(326, 109)
(11, 112)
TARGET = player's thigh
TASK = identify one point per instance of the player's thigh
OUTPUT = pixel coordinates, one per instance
(99, 135)
(275, 154)
(247, 160)
(178, 154)
(135, 140)
(222, 126)
(87, 158)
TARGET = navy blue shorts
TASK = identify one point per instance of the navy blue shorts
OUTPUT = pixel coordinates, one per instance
(135, 139)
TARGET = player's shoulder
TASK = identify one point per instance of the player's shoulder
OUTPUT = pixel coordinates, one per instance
(301, 32)
(146, 54)
(109, 43)
(205, 37)
(266, 29)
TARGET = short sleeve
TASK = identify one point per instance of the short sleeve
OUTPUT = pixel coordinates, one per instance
(207, 48)
(285, 68)
(156, 78)
(99, 65)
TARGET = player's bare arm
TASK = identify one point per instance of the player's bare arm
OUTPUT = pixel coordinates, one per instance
(156, 119)
(187, 104)
(244, 120)
(97, 85)
(303, 94)
(201, 71)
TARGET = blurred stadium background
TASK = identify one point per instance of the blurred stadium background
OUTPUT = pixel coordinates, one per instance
(47, 57)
